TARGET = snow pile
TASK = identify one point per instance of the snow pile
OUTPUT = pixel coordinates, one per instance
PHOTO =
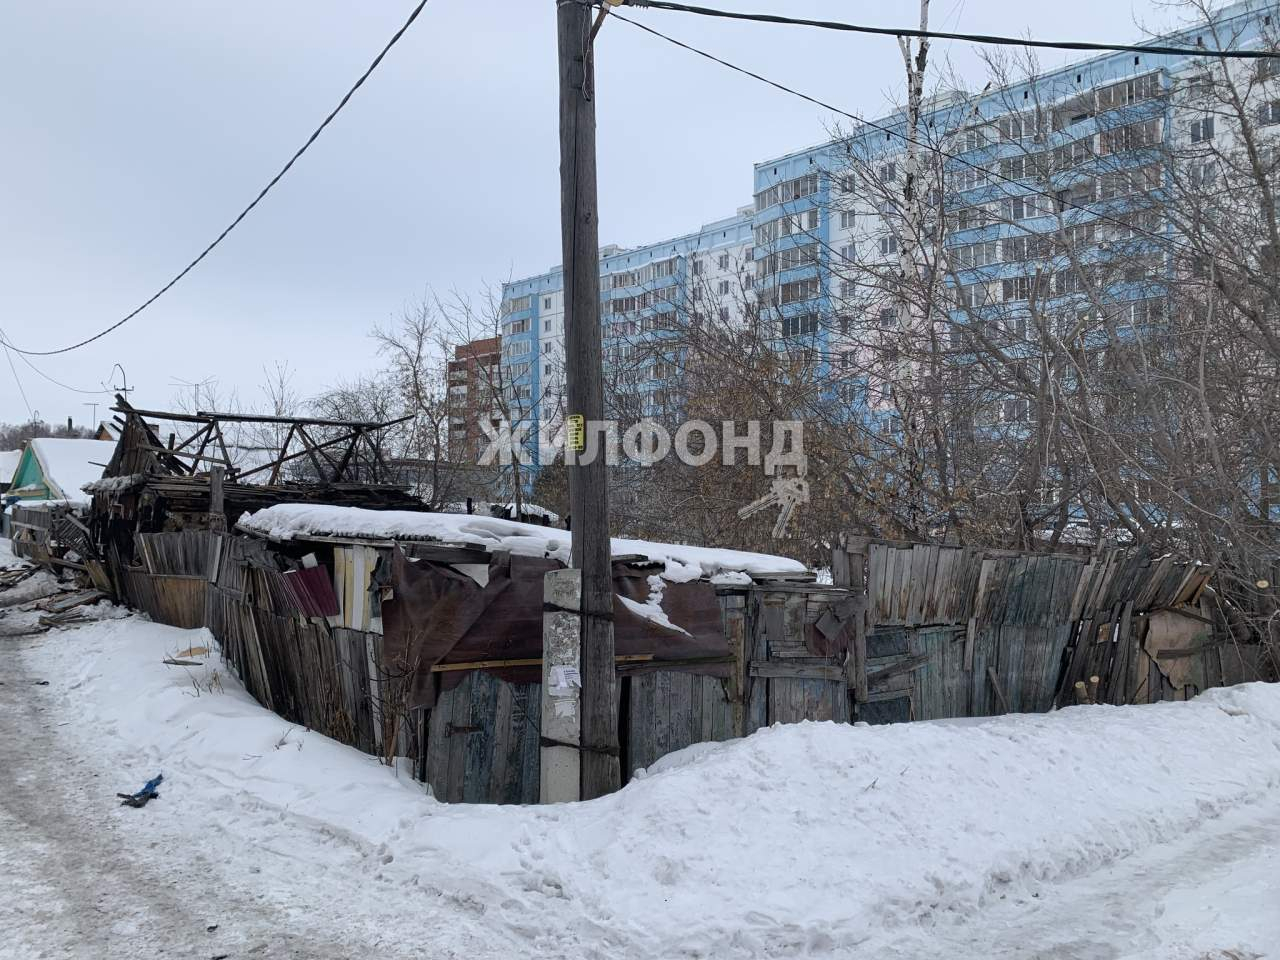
(286, 521)
(809, 839)
(8, 559)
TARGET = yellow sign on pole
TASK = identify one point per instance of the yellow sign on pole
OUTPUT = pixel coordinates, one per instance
(576, 433)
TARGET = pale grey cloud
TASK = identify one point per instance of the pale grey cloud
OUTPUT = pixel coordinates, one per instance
(134, 131)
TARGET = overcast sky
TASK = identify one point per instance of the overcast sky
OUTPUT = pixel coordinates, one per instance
(133, 132)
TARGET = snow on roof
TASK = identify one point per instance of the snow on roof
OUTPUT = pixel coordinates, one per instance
(9, 464)
(285, 521)
(69, 464)
(485, 506)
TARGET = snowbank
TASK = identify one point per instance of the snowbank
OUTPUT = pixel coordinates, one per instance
(810, 839)
(8, 559)
(289, 520)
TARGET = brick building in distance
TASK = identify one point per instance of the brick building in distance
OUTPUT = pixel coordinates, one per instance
(473, 378)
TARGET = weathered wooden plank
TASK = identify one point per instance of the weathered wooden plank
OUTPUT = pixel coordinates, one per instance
(798, 671)
(527, 702)
(455, 735)
(479, 740)
(662, 733)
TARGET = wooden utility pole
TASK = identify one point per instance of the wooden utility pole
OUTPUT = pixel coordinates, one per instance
(588, 482)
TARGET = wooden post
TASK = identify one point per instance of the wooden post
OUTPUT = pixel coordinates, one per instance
(735, 628)
(995, 685)
(588, 482)
(560, 767)
(217, 507)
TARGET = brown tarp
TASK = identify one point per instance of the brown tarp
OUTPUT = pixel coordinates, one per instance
(437, 614)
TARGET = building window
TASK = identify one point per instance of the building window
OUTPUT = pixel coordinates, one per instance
(724, 261)
(848, 252)
(888, 172)
(724, 287)
(975, 295)
(791, 190)
(1269, 113)
(516, 348)
(1016, 410)
(847, 183)
(1077, 195)
(1013, 168)
(975, 138)
(724, 314)
(846, 219)
(1132, 136)
(799, 290)
(1015, 128)
(697, 267)
(800, 325)
(1023, 208)
(1129, 91)
(1268, 68)
(546, 303)
(976, 254)
(1202, 130)
(888, 246)
(888, 318)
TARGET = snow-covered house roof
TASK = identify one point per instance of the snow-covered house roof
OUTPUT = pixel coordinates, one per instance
(287, 521)
(55, 468)
(8, 466)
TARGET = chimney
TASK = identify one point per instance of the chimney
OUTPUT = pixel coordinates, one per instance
(70, 427)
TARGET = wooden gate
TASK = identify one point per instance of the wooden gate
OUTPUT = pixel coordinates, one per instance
(785, 681)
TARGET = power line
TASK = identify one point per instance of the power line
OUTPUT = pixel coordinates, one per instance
(983, 38)
(1065, 202)
(18, 380)
(57, 383)
(243, 213)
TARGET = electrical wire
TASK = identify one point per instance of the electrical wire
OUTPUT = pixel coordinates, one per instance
(243, 213)
(17, 380)
(1065, 203)
(59, 383)
(983, 38)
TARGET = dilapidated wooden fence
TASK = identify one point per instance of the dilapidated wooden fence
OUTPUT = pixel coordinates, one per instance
(288, 635)
(907, 632)
(961, 631)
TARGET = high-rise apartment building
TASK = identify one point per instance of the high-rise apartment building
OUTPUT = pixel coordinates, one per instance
(1045, 185)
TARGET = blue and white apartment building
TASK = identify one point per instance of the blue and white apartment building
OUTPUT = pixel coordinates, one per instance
(1072, 151)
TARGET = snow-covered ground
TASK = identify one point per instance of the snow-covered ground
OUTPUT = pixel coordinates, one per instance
(1096, 832)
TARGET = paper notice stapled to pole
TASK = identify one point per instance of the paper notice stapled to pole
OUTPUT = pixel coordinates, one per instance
(565, 708)
(565, 677)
